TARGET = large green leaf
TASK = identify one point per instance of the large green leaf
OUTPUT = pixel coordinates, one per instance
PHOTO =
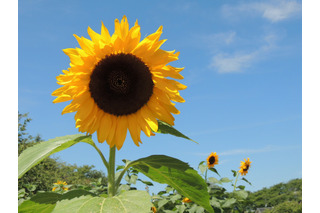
(127, 202)
(177, 174)
(35, 154)
(165, 128)
(45, 202)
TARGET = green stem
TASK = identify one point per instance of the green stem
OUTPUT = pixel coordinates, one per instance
(235, 183)
(111, 172)
(120, 176)
(205, 176)
(102, 156)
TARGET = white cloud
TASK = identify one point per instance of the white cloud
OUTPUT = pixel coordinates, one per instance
(218, 38)
(285, 10)
(238, 62)
(253, 151)
(268, 148)
(274, 11)
(224, 63)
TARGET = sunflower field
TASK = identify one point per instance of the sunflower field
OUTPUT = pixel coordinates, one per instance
(119, 83)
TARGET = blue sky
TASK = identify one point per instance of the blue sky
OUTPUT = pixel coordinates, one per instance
(243, 70)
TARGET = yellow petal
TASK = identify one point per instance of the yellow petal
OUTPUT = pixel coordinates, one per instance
(104, 127)
(121, 131)
(85, 44)
(95, 37)
(149, 118)
(111, 133)
(62, 98)
(105, 36)
(134, 129)
(71, 108)
(143, 124)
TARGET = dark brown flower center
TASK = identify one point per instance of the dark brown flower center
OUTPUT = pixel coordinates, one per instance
(212, 159)
(246, 168)
(121, 84)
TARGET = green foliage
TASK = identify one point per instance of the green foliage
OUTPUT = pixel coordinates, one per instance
(24, 139)
(42, 176)
(279, 193)
(287, 207)
(87, 189)
(179, 175)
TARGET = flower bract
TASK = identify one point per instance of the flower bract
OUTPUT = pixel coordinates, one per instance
(119, 82)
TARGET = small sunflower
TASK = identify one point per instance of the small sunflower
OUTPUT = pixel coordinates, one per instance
(61, 184)
(118, 83)
(186, 200)
(153, 209)
(212, 159)
(244, 166)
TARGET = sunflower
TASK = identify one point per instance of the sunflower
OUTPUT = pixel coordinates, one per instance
(153, 209)
(212, 160)
(61, 184)
(186, 200)
(118, 83)
(244, 166)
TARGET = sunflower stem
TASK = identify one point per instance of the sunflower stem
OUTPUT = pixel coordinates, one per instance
(235, 182)
(205, 176)
(111, 172)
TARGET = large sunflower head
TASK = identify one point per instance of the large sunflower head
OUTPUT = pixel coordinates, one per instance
(212, 159)
(117, 83)
(244, 166)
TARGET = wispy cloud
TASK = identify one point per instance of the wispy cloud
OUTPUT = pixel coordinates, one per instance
(218, 38)
(244, 126)
(225, 63)
(274, 11)
(268, 148)
(239, 61)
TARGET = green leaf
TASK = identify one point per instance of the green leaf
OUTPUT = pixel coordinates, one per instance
(131, 179)
(177, 174)
(181, 208)
(215, 171)
(213, 180)
(241, 187)
(119, 167)
(129, 201)
(162, 203)
(246, 180)
(35, 154)
(215, 202)
(165, 128)
(202, 168)
(225, 180)
(148, 183)
(41, 202)
(241, 194)
(234, 173)
(45, 202)
(175, 197)
(21, 193)
(228, 202)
